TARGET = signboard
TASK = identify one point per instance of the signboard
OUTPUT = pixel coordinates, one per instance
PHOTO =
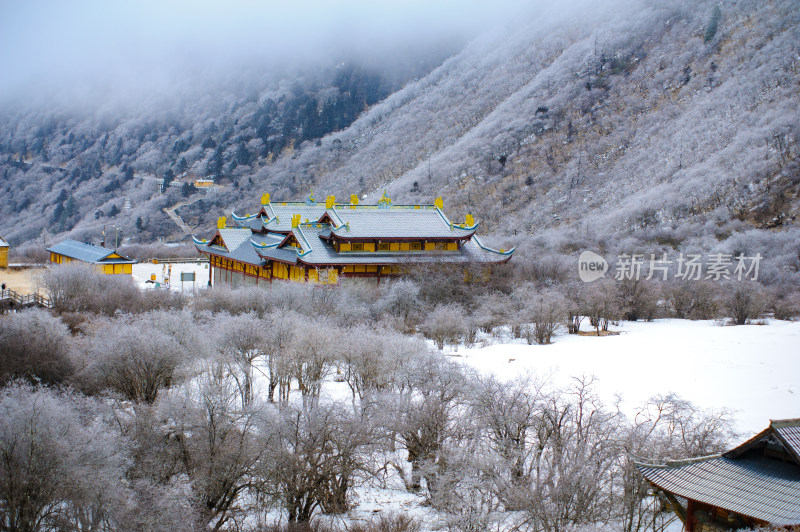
(187, 276)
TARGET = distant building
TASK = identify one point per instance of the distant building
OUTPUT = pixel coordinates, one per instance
(756, 484)
(107, 260)
(203, 183)
(3, 253)
(321, 242)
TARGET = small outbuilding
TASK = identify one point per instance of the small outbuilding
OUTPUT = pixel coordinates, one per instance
(108, 261)
(3, 253)
(756, 484)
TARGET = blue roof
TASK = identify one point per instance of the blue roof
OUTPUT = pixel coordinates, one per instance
(88, 253)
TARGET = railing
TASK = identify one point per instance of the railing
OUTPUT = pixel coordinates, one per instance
(193, 260)
(25, 300)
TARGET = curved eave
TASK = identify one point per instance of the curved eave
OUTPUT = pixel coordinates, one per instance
(505, 253)
(244, 218)
(261, 245)
(452, 225)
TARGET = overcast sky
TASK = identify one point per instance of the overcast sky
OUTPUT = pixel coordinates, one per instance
(78, 46)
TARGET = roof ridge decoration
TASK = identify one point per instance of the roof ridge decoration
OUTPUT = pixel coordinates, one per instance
(311, 201)
(385, 202)
(469, 224)
(199, 241)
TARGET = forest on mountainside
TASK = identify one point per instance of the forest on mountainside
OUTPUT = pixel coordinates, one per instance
(632, 127)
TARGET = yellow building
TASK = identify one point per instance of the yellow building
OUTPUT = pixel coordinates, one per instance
(3, 253)
(108, 261)
(322, 242)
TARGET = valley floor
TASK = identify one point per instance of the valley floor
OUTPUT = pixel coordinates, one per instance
(751, 369)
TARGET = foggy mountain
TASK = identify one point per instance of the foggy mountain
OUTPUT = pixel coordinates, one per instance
(663, 125)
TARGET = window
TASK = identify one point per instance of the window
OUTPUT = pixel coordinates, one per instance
(415, 246)
(383, 246)
(357, 246)
(440, 246)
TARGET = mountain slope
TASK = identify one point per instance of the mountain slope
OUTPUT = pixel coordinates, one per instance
(639, 123)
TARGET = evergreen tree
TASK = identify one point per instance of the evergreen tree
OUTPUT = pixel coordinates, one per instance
(181, 166)
(711, 29)
(169, 177)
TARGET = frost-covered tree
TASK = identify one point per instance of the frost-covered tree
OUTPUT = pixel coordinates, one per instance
(61, 466)
(34, 345)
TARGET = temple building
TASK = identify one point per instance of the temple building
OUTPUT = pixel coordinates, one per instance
(756, 484)
(3, 253)
(323, 242)
(106, 260)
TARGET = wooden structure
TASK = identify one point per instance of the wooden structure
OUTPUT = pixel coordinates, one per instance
(106, 260)
(13, 300)
(756, 484)
(3, 253)
(323, 242)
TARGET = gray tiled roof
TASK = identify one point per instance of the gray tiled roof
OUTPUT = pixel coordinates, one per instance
(266, 247)
(3, 243)
(237, 242)
(252, 222)
(762, 488)
(285, 211)
(423, 222)
(317, 252)
(87, 252)
(785, 431)
(396, 222)
(790, 434)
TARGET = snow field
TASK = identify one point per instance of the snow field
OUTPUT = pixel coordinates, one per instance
(752, 370)
(143, 271)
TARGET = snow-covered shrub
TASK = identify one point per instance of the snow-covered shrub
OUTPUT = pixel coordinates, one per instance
(445, 324)
(34, 345)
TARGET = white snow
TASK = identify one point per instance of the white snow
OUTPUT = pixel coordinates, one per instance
(143, 272)
(753, 370)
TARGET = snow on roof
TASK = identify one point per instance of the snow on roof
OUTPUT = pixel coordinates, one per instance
(88, 253)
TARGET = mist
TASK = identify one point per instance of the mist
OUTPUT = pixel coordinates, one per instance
(95, 51)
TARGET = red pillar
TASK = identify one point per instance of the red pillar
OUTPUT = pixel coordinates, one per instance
(690, 508)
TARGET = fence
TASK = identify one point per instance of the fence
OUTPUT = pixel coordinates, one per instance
(193, 260)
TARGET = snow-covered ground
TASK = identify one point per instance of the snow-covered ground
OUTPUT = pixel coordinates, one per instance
(143, 272)
(753, 370)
